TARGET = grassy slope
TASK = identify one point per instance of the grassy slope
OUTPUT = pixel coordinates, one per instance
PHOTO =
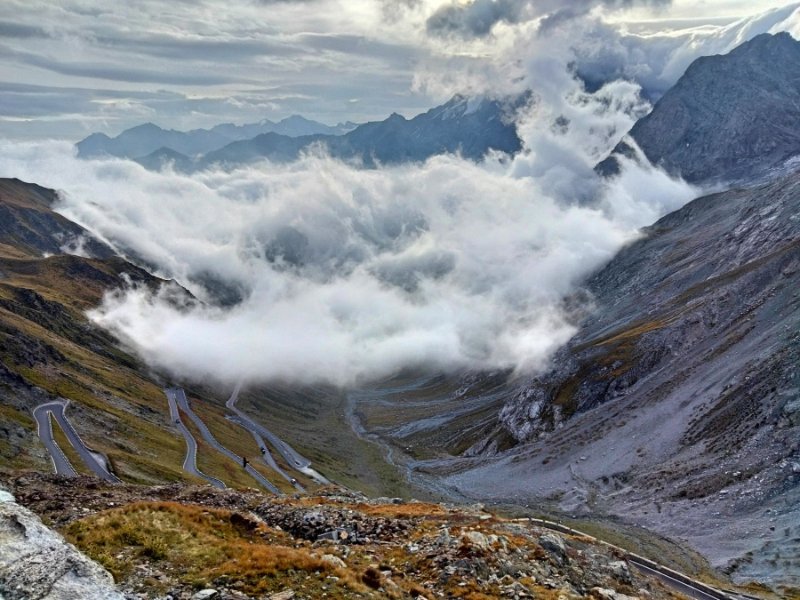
(313, 421)
(117, 403)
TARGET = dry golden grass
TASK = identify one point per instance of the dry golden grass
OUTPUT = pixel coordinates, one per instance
(200, 545)
(402, 511)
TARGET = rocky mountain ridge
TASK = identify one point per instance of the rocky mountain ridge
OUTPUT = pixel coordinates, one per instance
(728, 118)
(468, 126)
(676, 406)
(147, 138)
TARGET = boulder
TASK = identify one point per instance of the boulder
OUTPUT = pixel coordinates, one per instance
(36, 563)
(553, 544)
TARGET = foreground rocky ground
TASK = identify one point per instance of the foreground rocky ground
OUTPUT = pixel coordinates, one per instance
(197, 542)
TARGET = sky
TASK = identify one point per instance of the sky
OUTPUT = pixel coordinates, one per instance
(73, 67)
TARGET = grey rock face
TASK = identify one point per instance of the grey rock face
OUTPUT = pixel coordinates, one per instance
(704, 284)
(37, 564)
(731, 117)
(554, 544)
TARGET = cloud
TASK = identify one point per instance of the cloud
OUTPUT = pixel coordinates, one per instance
(9, 29)
(477, 18)
(597, 50)
(656, 61)
(274, 59)
(347, 274)
(112, 72)
(209, 49)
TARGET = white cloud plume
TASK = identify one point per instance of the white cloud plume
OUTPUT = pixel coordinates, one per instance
(533, 51)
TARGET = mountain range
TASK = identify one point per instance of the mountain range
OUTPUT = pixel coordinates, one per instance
(145, 139)
(468, 126)
(675, 407)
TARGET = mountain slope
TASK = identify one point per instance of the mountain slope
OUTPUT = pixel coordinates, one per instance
(469, 126)
(677, 404)
(242, 545)
(270, 146)
(728, 118)
(51, 350)
(29, 227)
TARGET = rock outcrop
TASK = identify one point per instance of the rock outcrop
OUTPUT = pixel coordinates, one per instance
(230, 545)
(37, 564)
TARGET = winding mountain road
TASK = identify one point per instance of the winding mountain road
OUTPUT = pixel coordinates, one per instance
(95, 461)
(292, 457)
(190, 462)
(179, 397)
(267, 457)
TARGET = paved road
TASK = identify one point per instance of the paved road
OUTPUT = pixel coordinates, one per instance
(677, 581)
(676, 584)
(183, 403)
(292, 457)
(44, 429)
(267, 457)
(190, 462)
(93, 460)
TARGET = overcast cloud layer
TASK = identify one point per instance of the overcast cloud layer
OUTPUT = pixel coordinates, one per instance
(77, 66)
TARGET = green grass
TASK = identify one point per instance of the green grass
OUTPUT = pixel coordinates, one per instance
(238, 440)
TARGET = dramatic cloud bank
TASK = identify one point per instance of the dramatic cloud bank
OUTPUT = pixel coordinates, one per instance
(347, 274)
(478, 17)
(504, 50)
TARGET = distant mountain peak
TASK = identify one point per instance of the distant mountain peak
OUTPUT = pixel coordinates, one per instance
(470, 126)
(147, 127)
(147, 142)
(295, 118)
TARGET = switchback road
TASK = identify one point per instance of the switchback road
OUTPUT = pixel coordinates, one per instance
(95, 461)
(180, 398)
(190, 462)
(292, 457)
